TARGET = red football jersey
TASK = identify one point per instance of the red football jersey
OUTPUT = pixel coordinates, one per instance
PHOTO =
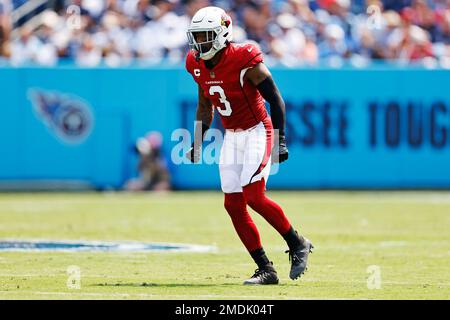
(238, 102)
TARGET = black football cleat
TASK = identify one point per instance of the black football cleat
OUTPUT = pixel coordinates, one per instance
(299, 259)
(264, 276)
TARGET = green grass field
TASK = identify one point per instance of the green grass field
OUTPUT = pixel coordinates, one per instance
(405, 234)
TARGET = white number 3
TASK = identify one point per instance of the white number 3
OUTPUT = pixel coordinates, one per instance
(224, 112)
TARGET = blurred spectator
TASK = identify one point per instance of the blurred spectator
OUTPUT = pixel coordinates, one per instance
(5, 26)
(333, 43)
(291, 32)
(288, 41)
(417, 44)
(153, 172)
(396, 5)
(88, 55)
(33, 47)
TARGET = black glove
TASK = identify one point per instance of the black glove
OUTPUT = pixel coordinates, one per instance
(283, 152)
(193, 155)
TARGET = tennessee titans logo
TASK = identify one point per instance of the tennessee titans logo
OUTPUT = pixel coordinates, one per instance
(69, 117)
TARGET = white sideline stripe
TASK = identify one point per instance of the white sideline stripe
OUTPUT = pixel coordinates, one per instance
(161, 296)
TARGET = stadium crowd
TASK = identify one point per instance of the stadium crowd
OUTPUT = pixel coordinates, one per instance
(291, 32)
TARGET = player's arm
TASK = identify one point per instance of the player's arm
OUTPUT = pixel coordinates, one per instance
(261, 78)
(203, 120)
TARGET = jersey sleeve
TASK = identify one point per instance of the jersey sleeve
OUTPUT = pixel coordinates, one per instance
(189, 63)
(252, 55)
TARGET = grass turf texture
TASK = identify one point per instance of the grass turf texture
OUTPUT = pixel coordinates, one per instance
(406, 234)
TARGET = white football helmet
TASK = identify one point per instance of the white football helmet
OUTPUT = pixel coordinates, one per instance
(216, 25)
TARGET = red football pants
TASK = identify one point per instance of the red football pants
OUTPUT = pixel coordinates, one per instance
(254, 195)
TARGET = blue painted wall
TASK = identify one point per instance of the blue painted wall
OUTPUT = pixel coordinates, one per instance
(380, 127)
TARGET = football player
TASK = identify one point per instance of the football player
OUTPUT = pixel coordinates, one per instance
(233, 79)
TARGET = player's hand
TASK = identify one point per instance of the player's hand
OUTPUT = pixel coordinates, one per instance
(283, 152)
(193, 155)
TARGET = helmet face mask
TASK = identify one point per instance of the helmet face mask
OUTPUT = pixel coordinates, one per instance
(202, 42)
(209, 32)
